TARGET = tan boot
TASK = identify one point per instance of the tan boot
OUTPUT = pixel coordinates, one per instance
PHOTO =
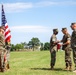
(74, 71)
(70, 68)
(8, 66)
(67, 69)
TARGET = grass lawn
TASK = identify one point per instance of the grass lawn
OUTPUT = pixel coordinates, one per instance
(36, 63)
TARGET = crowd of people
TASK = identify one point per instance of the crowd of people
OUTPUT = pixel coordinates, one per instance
(68, 44)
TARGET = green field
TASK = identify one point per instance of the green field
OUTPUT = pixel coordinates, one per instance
(36, 63)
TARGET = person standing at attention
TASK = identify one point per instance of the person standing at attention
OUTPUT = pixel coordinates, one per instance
(53, 48)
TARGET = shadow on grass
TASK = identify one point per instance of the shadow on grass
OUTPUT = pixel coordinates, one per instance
(56, 69)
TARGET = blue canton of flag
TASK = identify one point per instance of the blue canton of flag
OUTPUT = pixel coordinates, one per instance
(3, 17)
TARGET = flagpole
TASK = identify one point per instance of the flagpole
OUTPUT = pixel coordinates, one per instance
(1, 14)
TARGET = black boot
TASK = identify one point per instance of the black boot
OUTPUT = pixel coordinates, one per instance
(52, 67)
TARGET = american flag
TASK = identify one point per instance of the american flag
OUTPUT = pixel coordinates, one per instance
(5, 27)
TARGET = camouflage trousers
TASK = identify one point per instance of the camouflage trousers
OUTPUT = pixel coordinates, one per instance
(68, 60)
(8, 56)
(53, 58)
(74, 56)
(2, 53)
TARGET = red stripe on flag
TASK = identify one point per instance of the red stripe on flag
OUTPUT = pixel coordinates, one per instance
(8, 39)
(6, 33)
(6, 26)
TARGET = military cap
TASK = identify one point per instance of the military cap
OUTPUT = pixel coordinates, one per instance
(55, 30)
(0, 27)
(73, 23)
(64, 28)
(3, 27)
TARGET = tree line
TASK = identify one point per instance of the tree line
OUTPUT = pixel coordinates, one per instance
(33, 44)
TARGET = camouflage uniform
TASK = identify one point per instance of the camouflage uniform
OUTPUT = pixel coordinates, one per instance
(8, 47)
(2, 50)
(73, 45)
(67, 49)
(53, 49)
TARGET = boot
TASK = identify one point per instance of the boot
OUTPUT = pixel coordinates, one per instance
(70, 68)
(8, 66)
(52, 67)
(67, 68)
(75, 69)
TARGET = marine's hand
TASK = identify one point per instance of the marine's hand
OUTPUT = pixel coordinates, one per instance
(58, 41)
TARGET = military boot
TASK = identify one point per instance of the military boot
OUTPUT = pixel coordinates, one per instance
(75, 69)
(67, 67)
(70, 68)
(8, 66)
(52, 67)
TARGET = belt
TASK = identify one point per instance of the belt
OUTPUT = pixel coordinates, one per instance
(1, 45)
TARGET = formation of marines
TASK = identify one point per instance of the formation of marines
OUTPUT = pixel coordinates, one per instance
(68, 44)
(4, 52)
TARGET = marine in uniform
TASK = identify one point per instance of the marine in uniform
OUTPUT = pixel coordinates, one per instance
(66, 46)
(53, 48)
(73, 42)
(2, 50)
(7, 47)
